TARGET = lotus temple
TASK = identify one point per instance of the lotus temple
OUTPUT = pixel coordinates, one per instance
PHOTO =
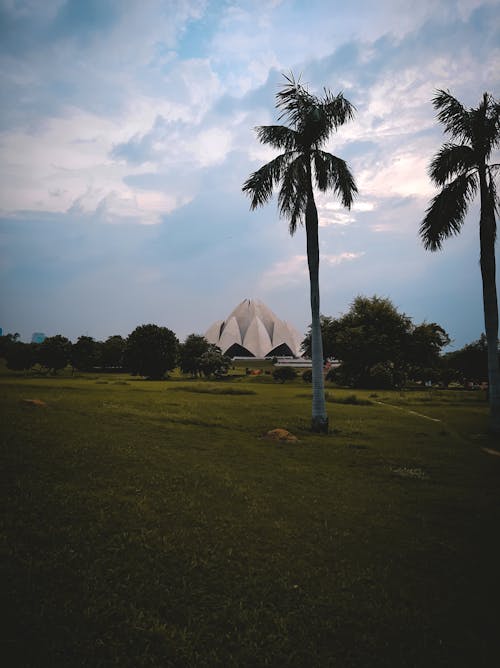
(253, 330)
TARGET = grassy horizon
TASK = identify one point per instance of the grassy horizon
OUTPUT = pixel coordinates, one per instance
(149, 524)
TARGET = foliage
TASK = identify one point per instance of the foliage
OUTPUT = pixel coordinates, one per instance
(190, 354)
(20, 356)
(151, 351)
(378, 346)
(54, 353)
(85, 353)
(461, 169)
(6, 341)
(112, 352)
(302, 166)
(307, 376)
(284, 373)
(470, 363)
(213, 363)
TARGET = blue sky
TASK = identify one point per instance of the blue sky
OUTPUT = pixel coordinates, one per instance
(126, 134)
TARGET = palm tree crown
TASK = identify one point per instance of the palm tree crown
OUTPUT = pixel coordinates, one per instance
(462, 168)
(457, 166)
(311, 120)
(302, 165)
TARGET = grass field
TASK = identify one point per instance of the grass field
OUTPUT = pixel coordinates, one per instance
(149, 524)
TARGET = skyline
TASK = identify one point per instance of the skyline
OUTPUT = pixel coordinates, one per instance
(127, 133)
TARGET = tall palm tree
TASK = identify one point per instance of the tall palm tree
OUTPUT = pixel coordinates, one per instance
(301, 166)
(461, 170)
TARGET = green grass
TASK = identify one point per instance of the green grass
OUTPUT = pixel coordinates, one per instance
(149, 524)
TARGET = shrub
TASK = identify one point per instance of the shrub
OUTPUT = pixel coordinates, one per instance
(284, 373)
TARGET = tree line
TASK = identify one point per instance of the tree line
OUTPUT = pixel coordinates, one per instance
(372, 345)
(150, 350)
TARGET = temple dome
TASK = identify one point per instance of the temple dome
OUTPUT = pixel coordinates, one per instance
(253, 330)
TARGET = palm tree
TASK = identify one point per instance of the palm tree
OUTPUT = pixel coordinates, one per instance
(461, 169)
(301, 166)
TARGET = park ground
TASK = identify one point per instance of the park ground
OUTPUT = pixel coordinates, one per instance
(150, 524)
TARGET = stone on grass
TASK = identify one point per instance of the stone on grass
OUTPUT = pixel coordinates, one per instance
(280, 435)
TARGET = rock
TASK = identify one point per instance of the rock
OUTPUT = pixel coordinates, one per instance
(280, 435)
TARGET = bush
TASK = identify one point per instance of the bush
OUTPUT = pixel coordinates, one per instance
(307, 376)
(284, 373)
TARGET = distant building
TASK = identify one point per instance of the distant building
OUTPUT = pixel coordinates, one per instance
(253, 330)
(38, 337)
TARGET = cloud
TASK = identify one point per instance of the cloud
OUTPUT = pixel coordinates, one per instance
(294, 269)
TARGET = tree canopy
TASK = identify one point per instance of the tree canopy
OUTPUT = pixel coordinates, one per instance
(191, 352)
(377, 345)
(151, 351)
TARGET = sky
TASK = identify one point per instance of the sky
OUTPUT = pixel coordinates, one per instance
(127, 131)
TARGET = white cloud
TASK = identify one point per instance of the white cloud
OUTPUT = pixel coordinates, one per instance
(294, 269)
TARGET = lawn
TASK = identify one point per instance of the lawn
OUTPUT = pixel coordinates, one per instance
(150, 524)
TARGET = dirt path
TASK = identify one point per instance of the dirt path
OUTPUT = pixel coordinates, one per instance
(407, 411)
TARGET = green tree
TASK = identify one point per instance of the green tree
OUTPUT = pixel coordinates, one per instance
(190, 353)
(20, 356)
(461, 169)
(213, 362)
(151, 351)
(112, 351)
(378, 346)
(301, 166)
(470, 363)
(54, 353)
(423, 353)
(6, 341)
(284, 373)
(84, 353)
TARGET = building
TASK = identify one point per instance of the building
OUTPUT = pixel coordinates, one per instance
(38, 337)
(253, 330)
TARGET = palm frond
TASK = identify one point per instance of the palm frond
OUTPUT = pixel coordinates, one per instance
(485, 124)
(332, 172)
(260, 184)
(277, 136)
(450, 161)
(337, 108)
(295, 101)
(453, 115)
(446, 213)
(494, 200)
(292, 198)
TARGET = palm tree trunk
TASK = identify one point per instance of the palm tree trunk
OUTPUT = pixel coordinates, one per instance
(319, 422)
(487, 231)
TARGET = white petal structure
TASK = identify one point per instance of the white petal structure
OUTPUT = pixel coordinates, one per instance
(253, 330)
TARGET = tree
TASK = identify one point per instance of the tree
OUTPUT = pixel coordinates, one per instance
(284, 373)
(20, 356)
(112, 352)
(213, 362)
(190, 353)
(85, 353)
(151, 351)
(301, 166)
(423, 354)
(470, 363)
(6, 341)
(378, 346)
(461, 169)
(54, 353)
